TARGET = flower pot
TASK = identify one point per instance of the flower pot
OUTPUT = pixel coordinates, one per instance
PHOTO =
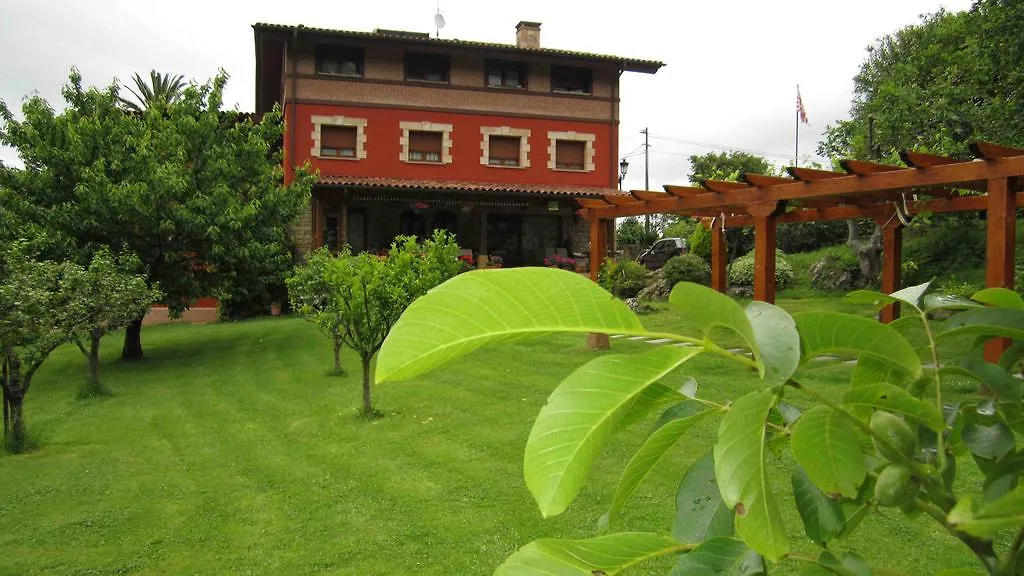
(275, 309)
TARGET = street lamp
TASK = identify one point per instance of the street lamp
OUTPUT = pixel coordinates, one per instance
(623, 168)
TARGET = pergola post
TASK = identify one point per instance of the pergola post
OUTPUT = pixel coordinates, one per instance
(892, 265)
(343, 223)
(482, 255)
(598, 247)
(719, 254)
(999, 250)
(764, 251)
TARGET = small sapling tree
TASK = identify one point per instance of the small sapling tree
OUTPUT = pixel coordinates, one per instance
(112, 295)
(889, 440)
(316, 299)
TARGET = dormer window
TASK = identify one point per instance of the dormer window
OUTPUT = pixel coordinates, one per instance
(571, 80)
(339, 60)
(504, 74)
(426, 67)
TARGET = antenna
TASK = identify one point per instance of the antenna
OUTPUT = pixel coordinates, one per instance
(438, 19)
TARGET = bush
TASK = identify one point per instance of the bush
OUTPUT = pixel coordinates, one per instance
(741, 271)
(686, 268)
(700, 242)
(948, 246)
(682, 228)
(954, 286)
(625, 279)
(837, 271)
(808, 236)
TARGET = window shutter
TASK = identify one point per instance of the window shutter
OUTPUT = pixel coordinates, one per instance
(338, 138)
(569, 154)
(504, 148)
(425, 142)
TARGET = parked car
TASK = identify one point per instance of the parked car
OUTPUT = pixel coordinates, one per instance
(659, 253)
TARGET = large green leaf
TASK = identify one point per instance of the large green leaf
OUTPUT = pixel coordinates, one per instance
(700, 512)
(777, 341)
(608, 554)
(720, 557)
(1000, 297)
(985, 521)
(910, 295)
(1006, 322)
(894, 399)
(488, 306)
(743, 476)
(822, 516)
(871, 371)
(831, 333)
(992, 375)
(826, 446)
(652, 450)
(581, 414)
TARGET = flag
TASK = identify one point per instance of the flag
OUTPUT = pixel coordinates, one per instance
(800, 111)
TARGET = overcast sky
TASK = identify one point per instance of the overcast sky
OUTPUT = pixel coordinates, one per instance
(730, 80)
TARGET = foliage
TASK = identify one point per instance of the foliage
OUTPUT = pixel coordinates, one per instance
(356, 299)
(682, 227)
(947, 247)
(837, 270)
(727, 166)
(937, 84)
(624, 278)
(700, 242)
(807, 236)
(687, 268)
(631, 233)
(839, 477)
(112, 294)
(741, 270)
(162, 91)
(192, 189)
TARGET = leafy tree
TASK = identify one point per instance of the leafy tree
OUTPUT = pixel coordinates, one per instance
(681, 227)
(161, 91)
(314, 294)
(887, 441)
(631, 233)
(194, 190)
(111, 295)
(367, 293)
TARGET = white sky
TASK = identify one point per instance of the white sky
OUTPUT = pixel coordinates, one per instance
(730, 80)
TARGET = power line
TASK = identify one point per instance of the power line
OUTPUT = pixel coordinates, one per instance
(727, 148)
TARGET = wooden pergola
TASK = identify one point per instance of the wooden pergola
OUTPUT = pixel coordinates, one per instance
(884, 193)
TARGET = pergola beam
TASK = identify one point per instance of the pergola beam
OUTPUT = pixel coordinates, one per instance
(684, 191)
(812, 174)
(990, 151)
(722, 186)
(862, 168)
(922, 160)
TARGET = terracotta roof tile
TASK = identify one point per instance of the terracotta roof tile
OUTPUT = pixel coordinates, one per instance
(628, 64)
(458, 186)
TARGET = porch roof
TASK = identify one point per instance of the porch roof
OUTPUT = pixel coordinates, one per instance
(366, 182)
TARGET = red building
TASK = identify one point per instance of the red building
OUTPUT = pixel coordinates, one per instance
(410, 133)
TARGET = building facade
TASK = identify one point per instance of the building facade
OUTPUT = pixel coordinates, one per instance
(410, 133)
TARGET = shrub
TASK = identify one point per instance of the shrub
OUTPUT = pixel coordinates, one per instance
(954, 286)
(741, 271)
(700, 242)
(838, 270)
(687, 268)
(682, 228)
(949, 246)
(625, 279)
(808, 236)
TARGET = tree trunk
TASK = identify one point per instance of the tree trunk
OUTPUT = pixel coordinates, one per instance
(92, 378)
(868, 251)
(16, 437)
(337, 355)
(133, 341)
(367, 402)
(3, 386)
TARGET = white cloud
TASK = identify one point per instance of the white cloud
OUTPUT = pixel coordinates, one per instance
(731, 78)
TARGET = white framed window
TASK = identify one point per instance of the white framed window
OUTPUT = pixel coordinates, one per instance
(338, 137)
(571, 151)
(505, 147)
(426, 142)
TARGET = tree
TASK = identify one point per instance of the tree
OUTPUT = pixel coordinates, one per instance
(39, 311)
(367, 293)
(887, 441)
(112, 294)
(314, 295)
(193, 190)
(631, 233)
(162, 91)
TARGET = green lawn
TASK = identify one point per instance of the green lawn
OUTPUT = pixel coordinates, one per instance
(229, 451)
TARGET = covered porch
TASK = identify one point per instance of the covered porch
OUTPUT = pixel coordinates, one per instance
(506, 225)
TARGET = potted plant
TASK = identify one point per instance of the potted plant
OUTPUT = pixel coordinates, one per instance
(495, 261)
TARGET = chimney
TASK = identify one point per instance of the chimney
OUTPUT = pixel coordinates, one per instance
(528, 35)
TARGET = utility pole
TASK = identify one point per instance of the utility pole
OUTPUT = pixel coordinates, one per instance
(647, 171)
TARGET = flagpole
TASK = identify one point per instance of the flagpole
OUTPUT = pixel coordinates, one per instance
(796, 150)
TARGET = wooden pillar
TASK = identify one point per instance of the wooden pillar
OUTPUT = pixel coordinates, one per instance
(317, 223)
(598, 245)
(764, 251)
(719, 255)
(343, 223)
(481, 254)
(892, 265)
(999, 250)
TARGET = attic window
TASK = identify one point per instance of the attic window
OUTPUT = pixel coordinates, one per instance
(503, 74)
(571, 80)
(339, 60)
(426, 67)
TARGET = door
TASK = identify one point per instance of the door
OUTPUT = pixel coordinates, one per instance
(357, 230)
(504, 238)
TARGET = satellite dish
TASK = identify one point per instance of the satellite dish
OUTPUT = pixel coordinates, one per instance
(438, 21)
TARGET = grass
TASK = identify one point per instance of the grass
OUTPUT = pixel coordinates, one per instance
(229, 450)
